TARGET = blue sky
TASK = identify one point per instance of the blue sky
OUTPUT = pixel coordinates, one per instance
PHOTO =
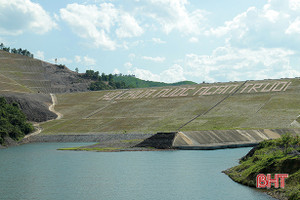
(160, 40)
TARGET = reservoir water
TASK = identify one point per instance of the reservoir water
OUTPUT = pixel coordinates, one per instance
(39, 171)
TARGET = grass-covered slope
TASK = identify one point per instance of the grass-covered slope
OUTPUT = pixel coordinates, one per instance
(85, 113)
(24, 74)
(149, 111)
(254, 110)
(7, 84)
(269, 157)
(273, 104)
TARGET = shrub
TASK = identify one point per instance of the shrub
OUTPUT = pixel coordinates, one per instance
(13, 122)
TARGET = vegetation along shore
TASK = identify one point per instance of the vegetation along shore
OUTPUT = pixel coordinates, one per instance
(281, 156)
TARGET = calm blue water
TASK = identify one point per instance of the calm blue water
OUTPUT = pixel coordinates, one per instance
(39, 171)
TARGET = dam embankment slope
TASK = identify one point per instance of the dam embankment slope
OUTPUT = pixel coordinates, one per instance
(236, 113)
(213, 139)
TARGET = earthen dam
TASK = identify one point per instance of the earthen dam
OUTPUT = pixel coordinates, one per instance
(201, 116)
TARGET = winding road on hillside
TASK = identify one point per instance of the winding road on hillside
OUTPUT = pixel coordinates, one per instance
(51, 108)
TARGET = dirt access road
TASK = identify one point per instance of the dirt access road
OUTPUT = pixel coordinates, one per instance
(51, 108)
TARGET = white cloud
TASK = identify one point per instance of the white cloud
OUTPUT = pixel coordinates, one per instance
(18, 16)
(131, 56)
(271, 26)
(125, 45)
(56, 17)
(91, 22)
(77, 59)
(128, 65)
(144, 74)
(85, 60)
(235, 64)
(237, 24)
(173, 15)
(128, 27)
(294, 4)
(62, 60)
(154, 59)
(137, 43)
(294, 27)
(97, 23)
(171, 75)
(271, 15)
(40, 55)
(193, 40)
(116, 71)
(158, 41)
(88, 61)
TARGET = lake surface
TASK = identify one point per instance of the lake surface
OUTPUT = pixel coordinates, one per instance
(39, 171)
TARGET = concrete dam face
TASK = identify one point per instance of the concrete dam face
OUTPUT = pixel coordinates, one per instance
(214, 139)
(217, 139)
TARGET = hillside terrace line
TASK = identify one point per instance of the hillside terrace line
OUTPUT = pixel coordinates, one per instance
(279, 86)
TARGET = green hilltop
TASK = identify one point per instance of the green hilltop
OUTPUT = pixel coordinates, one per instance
(134, 82)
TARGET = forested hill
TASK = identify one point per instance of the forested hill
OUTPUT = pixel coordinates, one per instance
(119, 81)
(134, 82)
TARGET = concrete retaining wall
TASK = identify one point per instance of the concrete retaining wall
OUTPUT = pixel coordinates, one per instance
(219, 139)
(194, 140)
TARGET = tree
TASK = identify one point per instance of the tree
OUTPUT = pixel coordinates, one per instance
(89, 73)
(95, 75)
(76, 70)
(19, 51)
(23, 52)
(118, 85)
(110, 77)
(14, 50)
(112, 84)
(285, 141)
(6, 49)
(98, 86)
(12, 121)
(103, 77)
